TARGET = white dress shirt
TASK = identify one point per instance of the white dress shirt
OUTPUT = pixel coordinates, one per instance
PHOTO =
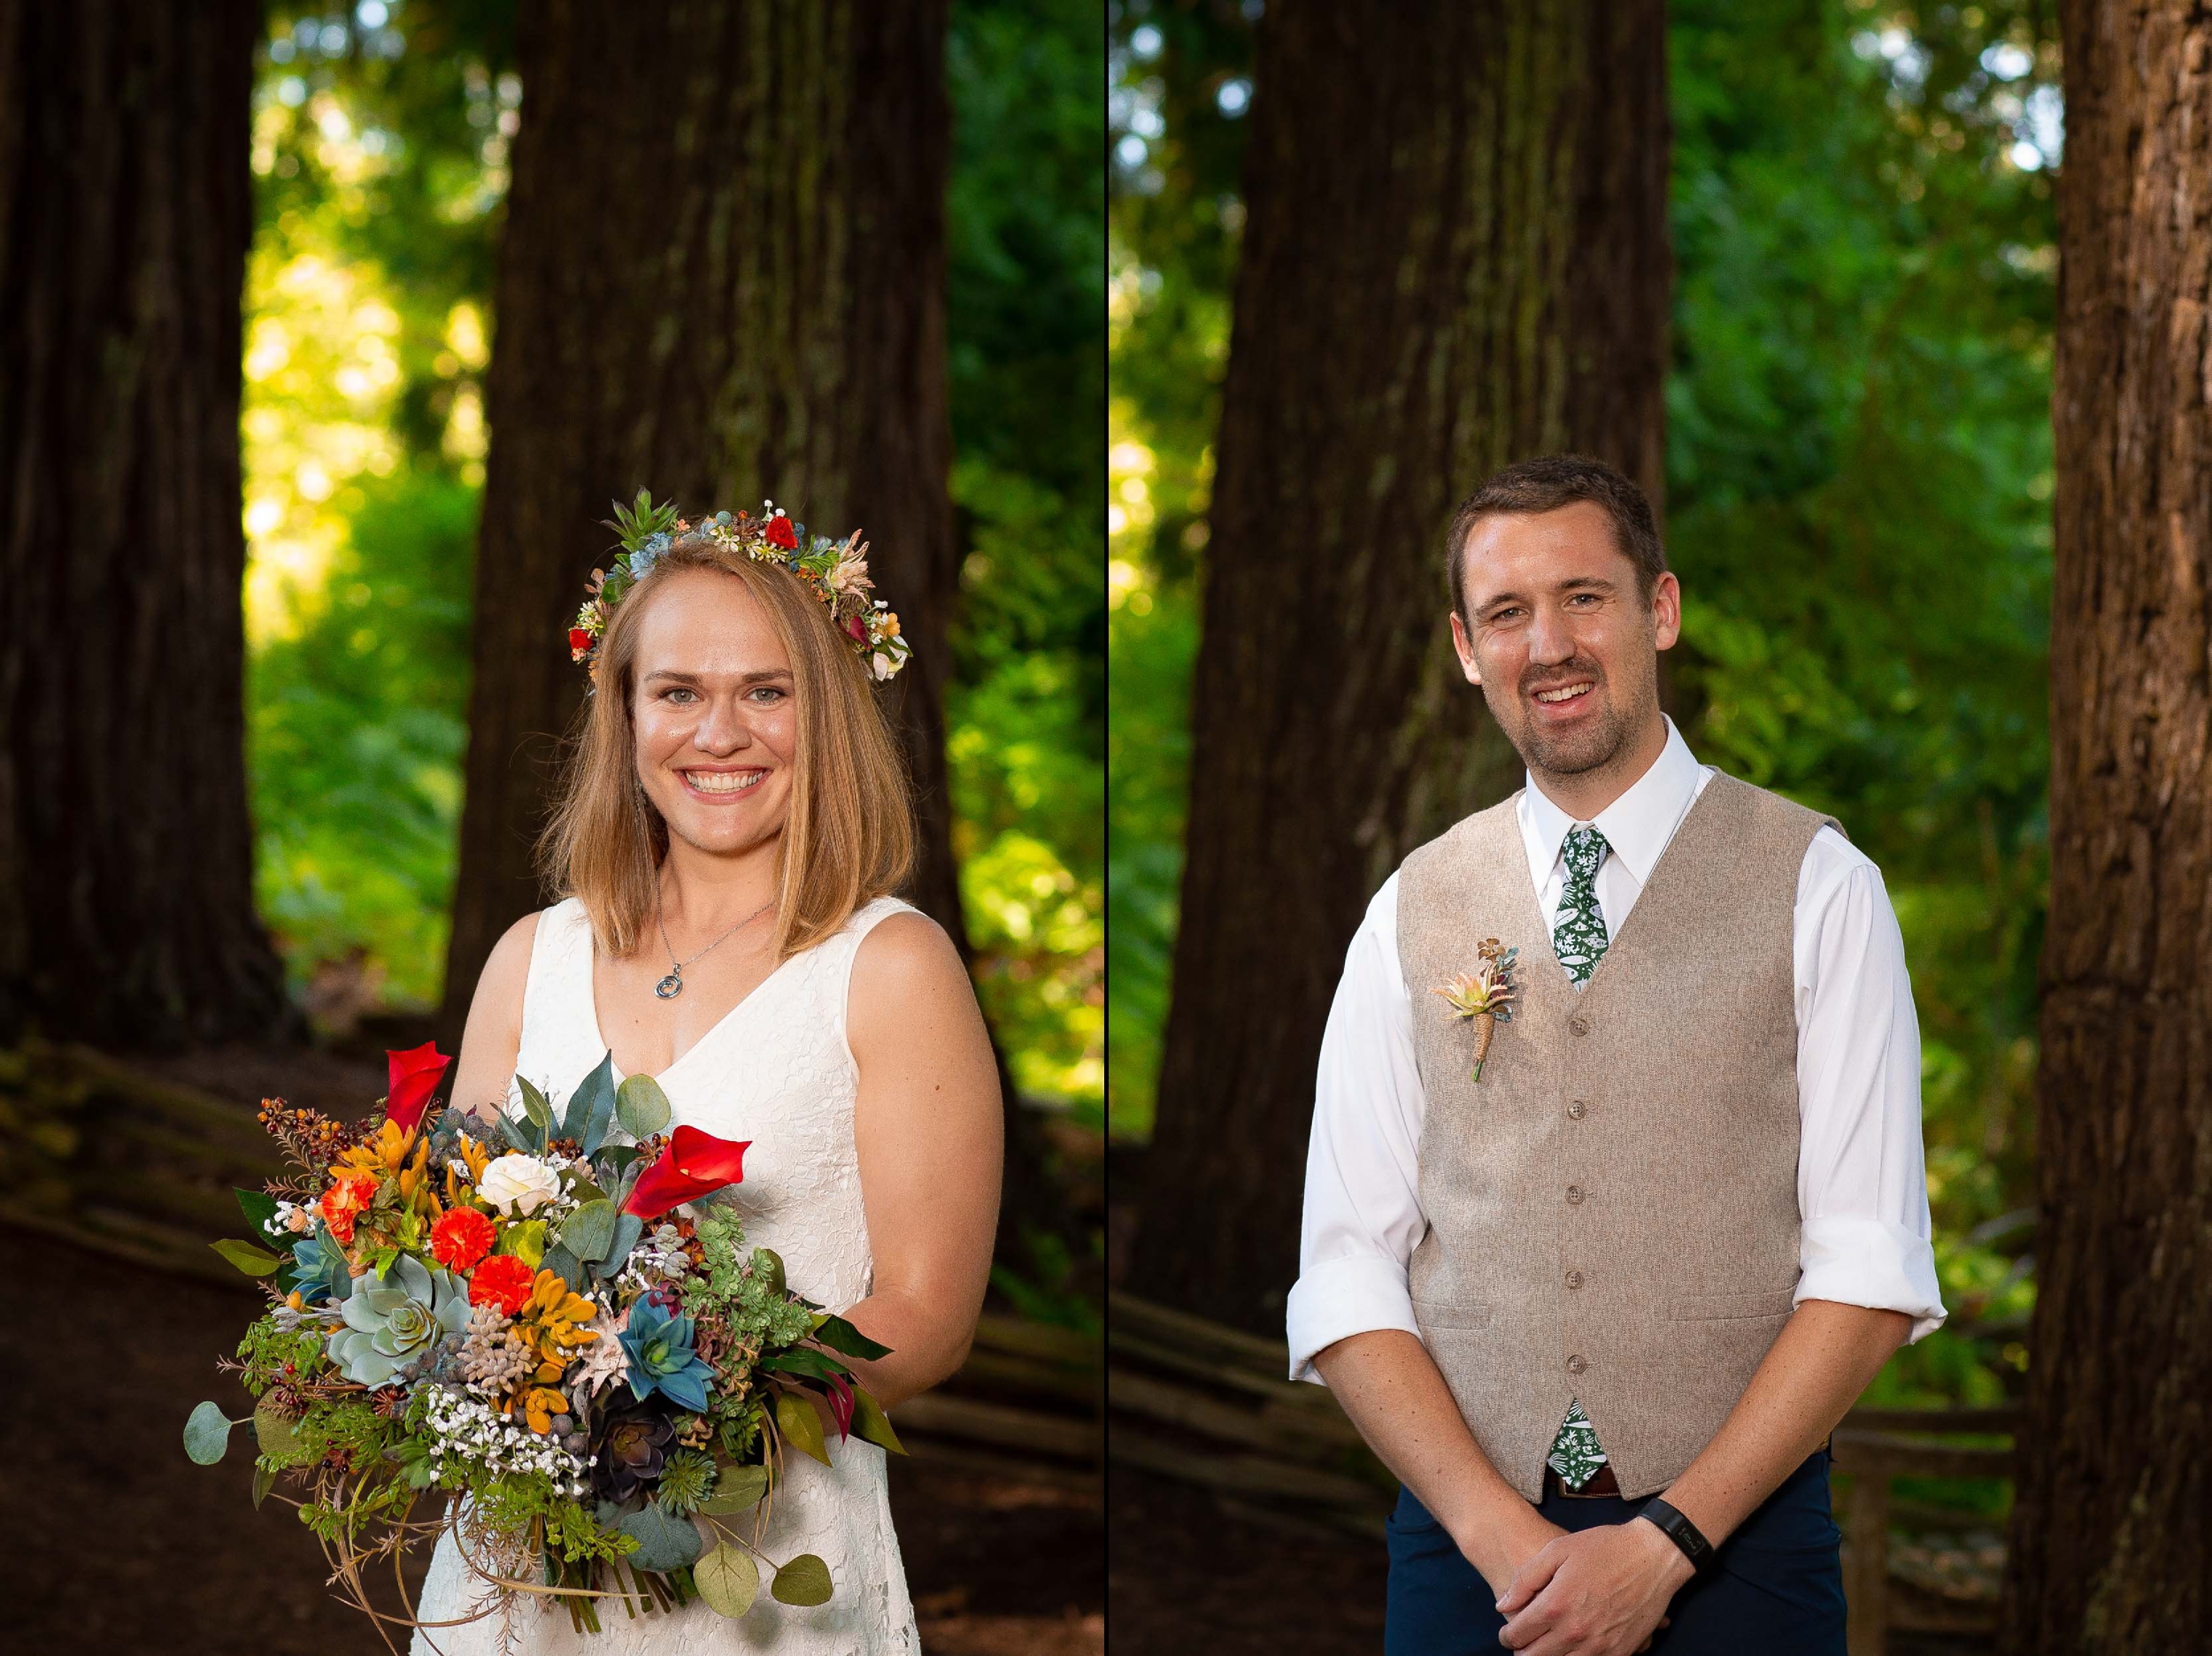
(1861, 1179)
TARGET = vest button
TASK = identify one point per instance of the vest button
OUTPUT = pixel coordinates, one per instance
(1574, 1279)
(1579, 1025)
(1575, 1365)
(1575, 1110)
(1574, 1193)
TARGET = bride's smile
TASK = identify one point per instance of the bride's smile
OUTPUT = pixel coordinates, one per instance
(715, 715)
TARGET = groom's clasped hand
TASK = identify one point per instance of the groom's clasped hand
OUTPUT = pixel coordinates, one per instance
(1595, 1592)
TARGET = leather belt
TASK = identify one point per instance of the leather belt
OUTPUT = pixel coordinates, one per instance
(1602, 1483)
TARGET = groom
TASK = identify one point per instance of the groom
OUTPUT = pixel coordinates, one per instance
(1601, 1307)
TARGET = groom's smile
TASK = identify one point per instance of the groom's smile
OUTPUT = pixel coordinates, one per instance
(1563, 634)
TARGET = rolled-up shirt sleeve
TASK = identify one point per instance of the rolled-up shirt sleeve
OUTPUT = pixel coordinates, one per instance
(1862, 1170)
(1363, 1210)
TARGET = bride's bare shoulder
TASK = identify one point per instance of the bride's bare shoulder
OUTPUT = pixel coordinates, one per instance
(492, 1039)
(906, 966)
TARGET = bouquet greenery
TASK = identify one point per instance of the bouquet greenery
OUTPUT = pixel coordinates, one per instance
(554, 1333)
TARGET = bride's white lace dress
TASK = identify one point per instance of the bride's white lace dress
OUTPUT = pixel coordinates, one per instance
(777, 1070)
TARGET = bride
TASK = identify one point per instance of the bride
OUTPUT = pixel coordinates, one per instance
(728, 835)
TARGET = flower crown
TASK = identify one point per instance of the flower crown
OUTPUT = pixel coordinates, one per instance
(836, 572)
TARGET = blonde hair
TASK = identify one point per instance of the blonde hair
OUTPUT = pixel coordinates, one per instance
(848, 832)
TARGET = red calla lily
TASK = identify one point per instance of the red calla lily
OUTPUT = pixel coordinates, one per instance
(693, 1164)
(415, 1075)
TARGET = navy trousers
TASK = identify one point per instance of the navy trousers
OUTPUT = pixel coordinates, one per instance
(1777, 1585)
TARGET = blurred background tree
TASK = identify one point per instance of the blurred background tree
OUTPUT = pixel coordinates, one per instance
(1505, 295)
(126, 858)
(382, 142)
(1858, 479)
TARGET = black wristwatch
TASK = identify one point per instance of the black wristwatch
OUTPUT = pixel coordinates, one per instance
(1682, 1532)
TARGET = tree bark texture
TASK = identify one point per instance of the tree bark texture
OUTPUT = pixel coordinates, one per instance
(722, 277)
(1455, 256)
(127, 913)
(2112, 1531)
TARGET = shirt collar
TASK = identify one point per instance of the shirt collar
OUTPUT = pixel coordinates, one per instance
(1636, 826)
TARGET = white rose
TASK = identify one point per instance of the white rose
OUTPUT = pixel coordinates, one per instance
(518, 1185)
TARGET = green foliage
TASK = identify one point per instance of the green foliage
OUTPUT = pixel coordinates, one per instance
(743, 1287)
(1859, 481)
(686, 1479)
(1858, 475)
(207, 1433)
(267, 1348)
(1026, 714)
(380, 173)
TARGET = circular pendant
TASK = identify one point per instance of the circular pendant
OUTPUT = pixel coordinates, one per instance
(669, 987)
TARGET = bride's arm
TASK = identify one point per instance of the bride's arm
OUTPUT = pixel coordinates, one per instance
(493, 1036)
(931, 1139)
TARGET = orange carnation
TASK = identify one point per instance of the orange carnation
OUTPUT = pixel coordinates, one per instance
(461, 1238)
(504, 1281)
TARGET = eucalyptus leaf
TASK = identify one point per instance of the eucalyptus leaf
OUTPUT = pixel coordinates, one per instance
(642, 1106)
(589, 1231)
(737, 1489)
(207, 1434)
(565, 1265)
(593, 1098)
(534, 1107)
(522, 1134)
(871, 1425)
(801, 1426)
(627, 1228)
(804, 1580)
(255, 1262)
(664, 1544)
(728, 1580)
(264, 1480)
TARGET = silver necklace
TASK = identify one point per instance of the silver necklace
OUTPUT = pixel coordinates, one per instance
(669, 987)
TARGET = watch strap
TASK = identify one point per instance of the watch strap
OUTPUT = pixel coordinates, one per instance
(1682, 1532)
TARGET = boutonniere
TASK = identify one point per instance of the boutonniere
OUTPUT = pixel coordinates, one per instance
(1483, 994)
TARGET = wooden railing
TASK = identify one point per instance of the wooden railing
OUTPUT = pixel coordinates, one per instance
(1188, 1398)
(1874, 1447)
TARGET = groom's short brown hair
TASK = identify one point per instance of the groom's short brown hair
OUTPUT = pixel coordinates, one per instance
(1545, 484)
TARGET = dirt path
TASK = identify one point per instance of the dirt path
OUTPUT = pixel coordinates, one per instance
(115, 1542)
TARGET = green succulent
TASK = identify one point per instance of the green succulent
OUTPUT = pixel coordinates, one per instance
(686, 1479)
(397, 1320)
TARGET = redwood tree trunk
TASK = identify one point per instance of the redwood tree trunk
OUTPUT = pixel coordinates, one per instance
(722, 276)
(126, 911)
(2112, 1531)
(1455, 256)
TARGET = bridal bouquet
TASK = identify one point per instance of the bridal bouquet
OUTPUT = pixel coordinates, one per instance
(552, 1331)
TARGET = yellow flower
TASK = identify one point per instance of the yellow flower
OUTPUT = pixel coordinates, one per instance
(550, 1323)
(1482, 995)
(539, 1405)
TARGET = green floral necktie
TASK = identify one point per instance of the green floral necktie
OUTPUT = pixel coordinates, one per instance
(1578, 939)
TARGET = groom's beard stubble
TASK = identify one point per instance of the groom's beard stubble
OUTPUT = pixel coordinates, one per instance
(1563, 753)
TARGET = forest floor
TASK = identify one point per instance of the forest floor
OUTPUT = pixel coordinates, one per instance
(116, 1542)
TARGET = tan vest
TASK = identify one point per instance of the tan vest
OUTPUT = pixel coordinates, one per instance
(1613, 1208)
